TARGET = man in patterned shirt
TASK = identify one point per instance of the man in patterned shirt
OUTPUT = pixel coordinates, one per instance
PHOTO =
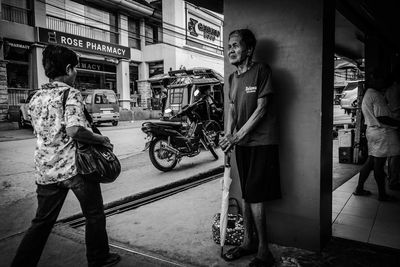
(56, 128)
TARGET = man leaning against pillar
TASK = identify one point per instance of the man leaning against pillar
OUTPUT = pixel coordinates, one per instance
(252, 129)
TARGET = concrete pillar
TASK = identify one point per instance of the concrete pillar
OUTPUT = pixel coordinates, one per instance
(38, 77)
(144, 88)
(296, 38)
(3, 91)
(123, 83)
(174, 17)
(39, 8)
(123, 66)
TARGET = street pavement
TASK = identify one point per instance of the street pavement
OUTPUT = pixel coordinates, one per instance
(340, 117)
(18, 197)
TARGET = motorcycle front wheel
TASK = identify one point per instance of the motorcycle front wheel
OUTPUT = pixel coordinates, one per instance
(162, 159)
(211, 149)
(212, 131)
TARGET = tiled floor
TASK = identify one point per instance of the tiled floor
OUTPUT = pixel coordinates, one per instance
(363, 218)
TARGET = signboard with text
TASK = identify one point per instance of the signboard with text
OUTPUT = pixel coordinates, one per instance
(84, 44)
(203, 31)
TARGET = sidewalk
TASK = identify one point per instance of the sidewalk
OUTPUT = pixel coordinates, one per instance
(176, 231)
(8, 125)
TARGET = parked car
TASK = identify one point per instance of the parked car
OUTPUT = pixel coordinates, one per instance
(23, 119)
(348, 100)
(102, 105)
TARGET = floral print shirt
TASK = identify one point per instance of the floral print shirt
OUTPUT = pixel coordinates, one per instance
(55, 150)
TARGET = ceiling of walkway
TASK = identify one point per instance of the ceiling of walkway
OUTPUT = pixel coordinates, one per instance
(354, 20)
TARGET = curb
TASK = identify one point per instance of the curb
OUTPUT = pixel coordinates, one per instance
(6, 126)
(112, 204)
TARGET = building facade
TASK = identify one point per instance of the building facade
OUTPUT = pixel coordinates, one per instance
(121, 44)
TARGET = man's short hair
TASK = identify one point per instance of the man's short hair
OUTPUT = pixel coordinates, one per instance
(56, 58)
(247, 36)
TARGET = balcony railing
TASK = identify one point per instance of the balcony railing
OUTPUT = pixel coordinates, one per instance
(67, 26)
(16, 14)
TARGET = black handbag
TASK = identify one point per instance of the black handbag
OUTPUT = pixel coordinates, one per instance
(96, 162)
(235, 229)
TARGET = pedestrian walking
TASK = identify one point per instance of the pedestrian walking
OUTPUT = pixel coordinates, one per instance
(56, 128)
(252, 129)
(382, 137)
(392, 96)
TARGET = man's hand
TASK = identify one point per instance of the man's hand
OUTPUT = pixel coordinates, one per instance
(228, 142)
(106, 142)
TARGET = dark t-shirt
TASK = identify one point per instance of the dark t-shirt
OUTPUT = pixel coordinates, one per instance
(244, 91)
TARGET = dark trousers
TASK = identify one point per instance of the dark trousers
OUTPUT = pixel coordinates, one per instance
(50, 201)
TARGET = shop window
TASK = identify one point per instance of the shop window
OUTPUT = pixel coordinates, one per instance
(134, 33)
(94, 74)
(17, 54)
(156, 68)
(17, 75)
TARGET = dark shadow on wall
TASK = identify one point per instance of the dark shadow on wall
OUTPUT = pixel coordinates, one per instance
(284, 86)
(282, 80)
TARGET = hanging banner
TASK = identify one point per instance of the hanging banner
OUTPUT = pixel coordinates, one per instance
(84, 44)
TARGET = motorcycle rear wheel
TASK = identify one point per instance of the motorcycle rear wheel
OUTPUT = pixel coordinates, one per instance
(162, 159)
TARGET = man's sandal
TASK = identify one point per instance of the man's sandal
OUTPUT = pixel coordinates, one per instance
(236, 253)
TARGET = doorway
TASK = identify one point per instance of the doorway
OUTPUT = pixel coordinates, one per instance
(359, 218)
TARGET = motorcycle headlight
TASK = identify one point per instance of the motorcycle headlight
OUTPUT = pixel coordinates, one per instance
(168, 111)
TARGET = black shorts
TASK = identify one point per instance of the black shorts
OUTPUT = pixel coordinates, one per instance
(259, 173)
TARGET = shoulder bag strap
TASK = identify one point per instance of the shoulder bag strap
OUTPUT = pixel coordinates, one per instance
(65, 97)
(85, 111)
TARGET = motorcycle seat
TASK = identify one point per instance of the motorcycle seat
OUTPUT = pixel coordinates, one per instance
(175, 125)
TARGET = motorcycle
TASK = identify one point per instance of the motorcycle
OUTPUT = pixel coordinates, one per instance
(170, 141)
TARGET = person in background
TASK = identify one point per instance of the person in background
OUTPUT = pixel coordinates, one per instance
(382, 137)
(392, 96)
(56, 129)
(164, 95)
(214, 111)
(252, 129)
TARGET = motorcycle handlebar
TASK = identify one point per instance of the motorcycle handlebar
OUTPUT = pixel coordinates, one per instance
(185, 108)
